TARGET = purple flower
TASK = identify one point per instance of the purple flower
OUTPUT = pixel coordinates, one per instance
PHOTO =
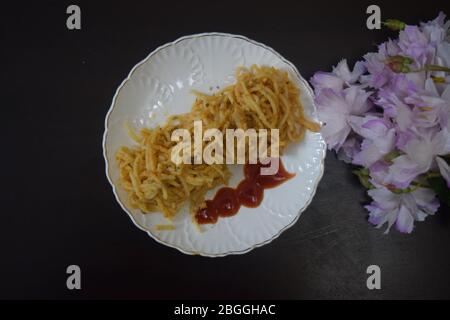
(326, 80)
(401, 209)
(340, 78)
(422, 43)
(402, 172)
(335, 108)
(395, 108)
(349, 149)
(379, 139)
(376, 64)
(350, 77)
(444, 168)
(411, 109)
(378, 172)
(431, 107)
(421, 154)
(415, 44)
(443, 54)
(379, 72)
(391, 115)
(436, 31)
(404, 86)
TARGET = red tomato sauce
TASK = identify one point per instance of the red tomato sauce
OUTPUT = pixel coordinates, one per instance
(249, 193)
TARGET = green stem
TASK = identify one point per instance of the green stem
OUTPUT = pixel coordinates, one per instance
(432, 67)
(433, 175)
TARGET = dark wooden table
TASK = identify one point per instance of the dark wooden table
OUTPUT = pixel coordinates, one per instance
(58, 209)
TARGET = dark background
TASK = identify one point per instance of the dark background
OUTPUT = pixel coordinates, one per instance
(58, 208)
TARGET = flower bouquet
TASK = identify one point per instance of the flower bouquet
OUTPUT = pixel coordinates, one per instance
(390, 117)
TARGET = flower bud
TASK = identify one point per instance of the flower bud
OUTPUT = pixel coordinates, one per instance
(395, 24)
(399, 64)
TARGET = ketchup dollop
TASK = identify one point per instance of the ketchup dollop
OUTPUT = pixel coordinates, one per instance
(249, 193)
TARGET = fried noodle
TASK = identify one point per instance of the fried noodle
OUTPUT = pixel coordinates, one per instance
(262, 98)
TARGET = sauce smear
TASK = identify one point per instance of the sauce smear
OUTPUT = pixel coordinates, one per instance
(249, 193)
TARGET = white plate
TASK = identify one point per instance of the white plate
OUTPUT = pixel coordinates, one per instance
(159, 86)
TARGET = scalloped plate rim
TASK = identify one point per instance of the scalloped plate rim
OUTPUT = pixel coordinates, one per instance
(113, 103)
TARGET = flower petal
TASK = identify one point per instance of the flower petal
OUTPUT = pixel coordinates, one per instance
(333, 110)
(402, 172)
(444, 168)
(441, 142)
(357, 99)
(405, 221)
(322, 80)
(426, 200)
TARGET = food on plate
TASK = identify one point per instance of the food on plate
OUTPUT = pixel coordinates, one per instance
(262, 98)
